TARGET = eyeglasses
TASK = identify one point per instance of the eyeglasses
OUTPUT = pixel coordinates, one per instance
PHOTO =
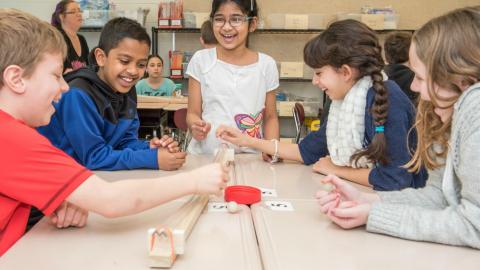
(234, 21)
(73, 11)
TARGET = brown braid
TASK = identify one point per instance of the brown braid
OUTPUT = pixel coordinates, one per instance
(352, 43)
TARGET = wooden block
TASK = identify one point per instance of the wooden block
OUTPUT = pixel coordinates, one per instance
(168, 240)
(296, 21)
(285, 108)
(374, 21)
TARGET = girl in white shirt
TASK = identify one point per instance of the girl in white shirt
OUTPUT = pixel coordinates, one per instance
(231, 84)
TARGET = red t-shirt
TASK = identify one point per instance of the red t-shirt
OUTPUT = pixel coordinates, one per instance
(32, 172)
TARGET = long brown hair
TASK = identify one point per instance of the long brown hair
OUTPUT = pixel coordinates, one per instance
(448, 46)
(352, 43)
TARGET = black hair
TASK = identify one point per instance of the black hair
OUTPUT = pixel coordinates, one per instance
(60, 8)
(150, 57)
(396, 47)
(115, 31)
(248, 7)
(352, 43)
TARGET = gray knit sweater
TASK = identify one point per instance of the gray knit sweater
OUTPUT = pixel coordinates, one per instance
(447, 210)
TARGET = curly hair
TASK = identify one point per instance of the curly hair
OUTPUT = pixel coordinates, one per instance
(352, 43)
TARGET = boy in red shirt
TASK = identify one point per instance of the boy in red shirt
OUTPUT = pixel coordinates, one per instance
(35, 173)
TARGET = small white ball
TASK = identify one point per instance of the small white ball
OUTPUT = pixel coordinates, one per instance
(232, 207)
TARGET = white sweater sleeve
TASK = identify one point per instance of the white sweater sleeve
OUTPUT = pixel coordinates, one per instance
(456, 224)
(430, 196)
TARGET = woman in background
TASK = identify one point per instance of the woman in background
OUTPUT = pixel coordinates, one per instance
(67, 18)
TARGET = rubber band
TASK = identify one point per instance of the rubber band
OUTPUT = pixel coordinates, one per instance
(275, 155)
(168, 233)
(379, 129)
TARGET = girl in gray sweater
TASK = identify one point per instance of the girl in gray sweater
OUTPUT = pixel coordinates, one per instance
(446, 60)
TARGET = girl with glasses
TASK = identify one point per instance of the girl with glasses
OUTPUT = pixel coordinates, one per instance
(231, 84)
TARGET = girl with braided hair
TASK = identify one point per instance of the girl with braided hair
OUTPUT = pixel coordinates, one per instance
(445, 58)
(366, 136)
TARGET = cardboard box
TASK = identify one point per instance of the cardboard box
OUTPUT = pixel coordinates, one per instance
(374, 21)
(291, 69)
(285, 108)
(201, 17)
(316, 21)
(296, 21)
(275, 21)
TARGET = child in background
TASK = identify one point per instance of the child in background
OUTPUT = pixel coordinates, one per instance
(35, 173)
(96, 122)
(155, 84)
(365, 138)
(207, 37)
(446, 60)
(396, 52)
(230, 84)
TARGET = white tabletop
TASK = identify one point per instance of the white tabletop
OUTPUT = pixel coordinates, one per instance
(217, 240)
(307, 239)
(290, 180)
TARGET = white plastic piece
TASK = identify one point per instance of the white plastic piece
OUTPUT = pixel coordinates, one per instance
(232, 207)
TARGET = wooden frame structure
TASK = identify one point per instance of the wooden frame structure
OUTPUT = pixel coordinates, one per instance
(169, 240)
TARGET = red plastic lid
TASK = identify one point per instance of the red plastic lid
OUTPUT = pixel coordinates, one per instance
(242, 194)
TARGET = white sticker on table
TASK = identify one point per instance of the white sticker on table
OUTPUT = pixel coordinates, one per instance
(266, 192)
(217, 207)
(279, 205)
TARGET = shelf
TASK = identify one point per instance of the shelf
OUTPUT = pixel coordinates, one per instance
(295, 80)
(91, 29)
(281, 79)
(263, 31)
(259, 31)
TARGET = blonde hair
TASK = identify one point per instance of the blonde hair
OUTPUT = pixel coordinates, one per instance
(448, 46)
(25, 39)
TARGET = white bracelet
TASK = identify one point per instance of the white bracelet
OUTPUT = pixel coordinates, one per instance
(275, 156)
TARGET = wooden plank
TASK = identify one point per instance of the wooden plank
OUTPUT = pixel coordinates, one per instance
(169, 240)
(175, 107)
(155, 99)
(151, 105)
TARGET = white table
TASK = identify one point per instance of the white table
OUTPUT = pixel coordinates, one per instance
(218, 240)
(307, 239)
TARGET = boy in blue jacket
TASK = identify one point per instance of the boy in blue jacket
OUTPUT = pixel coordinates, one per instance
(96, 122)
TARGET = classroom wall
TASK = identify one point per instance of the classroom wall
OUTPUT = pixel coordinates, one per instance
(282, 47)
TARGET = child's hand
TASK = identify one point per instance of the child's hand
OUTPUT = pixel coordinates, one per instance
(342, 191)
(170, 161)
(350, 214)
(210, 179)
(233, 135)
(325, 166)
(68, 215)
(165, 142)
(200, 130)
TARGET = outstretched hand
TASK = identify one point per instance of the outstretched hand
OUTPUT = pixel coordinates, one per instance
(210, 179)
(165, 142)
(344, 204)
(200, 130)
(232, 135)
